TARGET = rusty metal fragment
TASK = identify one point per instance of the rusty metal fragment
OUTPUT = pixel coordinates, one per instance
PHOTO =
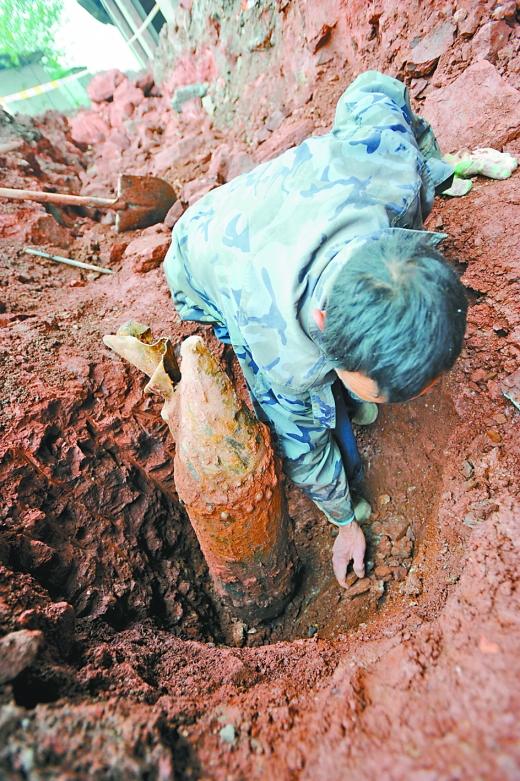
(226, 473)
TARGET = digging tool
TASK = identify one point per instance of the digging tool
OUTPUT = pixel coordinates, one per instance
(226, 473)
(140, 201)
(68, 261)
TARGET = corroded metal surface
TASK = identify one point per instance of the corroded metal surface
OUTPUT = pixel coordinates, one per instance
(226, 473)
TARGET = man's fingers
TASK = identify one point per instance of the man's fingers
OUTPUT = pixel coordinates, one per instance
(359, 570)
(359, 563)
(339, 565)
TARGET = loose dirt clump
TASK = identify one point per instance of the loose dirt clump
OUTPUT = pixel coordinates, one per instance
(118, 661)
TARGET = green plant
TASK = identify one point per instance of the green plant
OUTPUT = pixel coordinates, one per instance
(27, 29)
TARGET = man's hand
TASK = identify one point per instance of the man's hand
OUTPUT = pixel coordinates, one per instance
(349, 544)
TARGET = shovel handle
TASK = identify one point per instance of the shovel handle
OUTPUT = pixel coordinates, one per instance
(65, 199)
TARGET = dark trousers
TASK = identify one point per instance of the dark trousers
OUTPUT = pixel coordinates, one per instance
(344, 434)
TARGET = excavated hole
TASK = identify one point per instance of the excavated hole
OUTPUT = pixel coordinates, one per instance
(123, 551)
(403, 453)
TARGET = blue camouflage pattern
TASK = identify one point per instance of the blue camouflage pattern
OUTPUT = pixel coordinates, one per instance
(256, 256)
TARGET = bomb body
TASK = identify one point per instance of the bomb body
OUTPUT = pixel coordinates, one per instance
(226, 474)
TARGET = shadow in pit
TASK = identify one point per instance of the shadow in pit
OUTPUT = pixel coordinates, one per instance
(186, 765)
(38, 684)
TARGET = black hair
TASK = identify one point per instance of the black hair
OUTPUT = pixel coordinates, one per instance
(398, 316)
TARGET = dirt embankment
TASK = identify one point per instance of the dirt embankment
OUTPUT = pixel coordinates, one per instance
(116, 660)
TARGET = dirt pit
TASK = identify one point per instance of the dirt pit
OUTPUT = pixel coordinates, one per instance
(116, 662)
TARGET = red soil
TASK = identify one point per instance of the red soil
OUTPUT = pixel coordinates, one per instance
(127, 671)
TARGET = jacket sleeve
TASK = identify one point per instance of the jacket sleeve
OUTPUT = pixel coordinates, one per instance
(311, 457)
(376, 103)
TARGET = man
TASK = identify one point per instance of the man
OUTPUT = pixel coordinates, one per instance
(315, 267)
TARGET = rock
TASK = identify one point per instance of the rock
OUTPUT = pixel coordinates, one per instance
(188, 92)
(117, 250)
(159, 227)
(418, 86)
(87, 127)
(467, 469)
(103, 85)
(510, 388)
(494, 436)
(285, 138)
(505, 10)
(360, 587)
(489, 40)
(478, 109)
(147, 252)
(468, 25)
(399, 573)
(17, 651)
(126, 97)
(396, 527)
(176, 153)
(208, 105)
(228, 734)
(36, 555)
(382, 571)
(219, 164)
(239, 163)
(383, 499)
(237, 634)
(43, 229)
(193, 191)
(275, 120)
(384, 547)
(413, 585)
(175, 212)
(57, 622)
(318, 30)
(402, 548)
(425, 55)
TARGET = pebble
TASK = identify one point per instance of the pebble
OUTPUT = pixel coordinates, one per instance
(360, 587)
(402, 548)
(17, 651)
(238, 633)
(228, 734)
(413, 585)
(396, 527)
(468, 469)
(384, 499)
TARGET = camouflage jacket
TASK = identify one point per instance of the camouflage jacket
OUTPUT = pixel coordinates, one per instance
(258, 254)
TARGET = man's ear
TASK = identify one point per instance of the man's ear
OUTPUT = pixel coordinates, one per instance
(320, 317)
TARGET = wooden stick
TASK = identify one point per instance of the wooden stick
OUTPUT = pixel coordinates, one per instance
(61, 198)
(68, 261)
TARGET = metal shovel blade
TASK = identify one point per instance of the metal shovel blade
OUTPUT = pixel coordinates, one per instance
(148, 200)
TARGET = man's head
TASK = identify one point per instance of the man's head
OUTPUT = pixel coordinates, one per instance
(394, 322)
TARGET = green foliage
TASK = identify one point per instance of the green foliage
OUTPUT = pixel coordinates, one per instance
(27, 28)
